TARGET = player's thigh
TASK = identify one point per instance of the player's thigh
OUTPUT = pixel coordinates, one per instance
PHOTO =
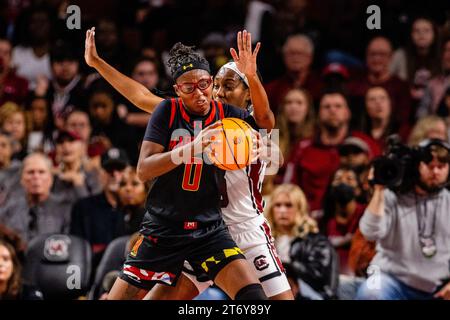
(183, 290)
(234, 276)
(123, 290)
(260, 252)
(151, 262)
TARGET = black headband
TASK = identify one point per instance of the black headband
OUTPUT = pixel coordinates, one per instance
(190, 66)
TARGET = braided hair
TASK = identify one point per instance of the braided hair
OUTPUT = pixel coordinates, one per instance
(183, 58)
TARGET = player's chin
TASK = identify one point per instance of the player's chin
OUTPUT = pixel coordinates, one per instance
(201, 106)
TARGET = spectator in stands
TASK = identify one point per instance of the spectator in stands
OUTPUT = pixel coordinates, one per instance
(215, 47)
(290, 223)
(40, 137)
(378, 58)
(419, 60)
(411, 230)
(146, 72)
(97, 218)
(131, 194)
(72, 179)
(298, 53)
(379, 121)
(13, 120)
(78, 121)
(341, 213)
(444, 108)
(315, 160)
(355, 153)
(437, 86)
(107, 124)
(31, 57)
(65, 91)
(39, 211)
(9, 170)
(11, 283)
(429, 127)
(12, 87)
(295, 120)
(107, 34)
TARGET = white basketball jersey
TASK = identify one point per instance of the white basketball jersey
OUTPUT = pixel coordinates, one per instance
(244, 193)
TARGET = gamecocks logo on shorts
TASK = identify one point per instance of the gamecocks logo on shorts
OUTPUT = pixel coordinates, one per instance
(260, 262)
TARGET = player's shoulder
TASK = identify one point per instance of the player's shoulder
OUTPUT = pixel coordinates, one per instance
(164, 109)
(230, 109)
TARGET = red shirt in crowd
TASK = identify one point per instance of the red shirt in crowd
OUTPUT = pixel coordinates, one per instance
(312, 165)
(278, 88)
(13, 88)
(338, 232)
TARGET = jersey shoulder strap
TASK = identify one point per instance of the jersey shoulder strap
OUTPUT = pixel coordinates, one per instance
(173, 111)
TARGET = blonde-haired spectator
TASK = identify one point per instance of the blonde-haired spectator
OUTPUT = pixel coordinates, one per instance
(429, 127)
(288, 215)
(309, 257)
(14, 120)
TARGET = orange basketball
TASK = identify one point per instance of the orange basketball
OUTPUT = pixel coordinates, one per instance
(234, 150)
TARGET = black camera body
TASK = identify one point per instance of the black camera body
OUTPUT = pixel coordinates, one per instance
(398, 168)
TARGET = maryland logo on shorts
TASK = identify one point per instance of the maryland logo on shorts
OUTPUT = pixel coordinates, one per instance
(212, 261)
(136, 246)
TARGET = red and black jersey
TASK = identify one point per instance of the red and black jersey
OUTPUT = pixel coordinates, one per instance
(187, 198)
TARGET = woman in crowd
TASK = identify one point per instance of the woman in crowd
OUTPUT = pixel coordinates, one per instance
(13, 120)
(298, 242)
(429, 127)
(11, 284)
(131, 194)
(296, 119)
(379, 121)
(341, 213)
(40, 137)
(419, 60)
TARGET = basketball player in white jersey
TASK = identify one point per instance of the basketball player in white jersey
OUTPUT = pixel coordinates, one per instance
(236, 83)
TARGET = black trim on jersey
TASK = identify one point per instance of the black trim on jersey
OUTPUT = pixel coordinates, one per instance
(270, 249)
(247, 171)
(270, 276)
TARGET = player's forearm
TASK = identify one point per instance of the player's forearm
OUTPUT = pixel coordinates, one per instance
(262, 113)
(138, 94)
(160, 163)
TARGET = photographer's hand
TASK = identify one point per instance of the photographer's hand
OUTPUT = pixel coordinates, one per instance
(376, 204)
(444, 293)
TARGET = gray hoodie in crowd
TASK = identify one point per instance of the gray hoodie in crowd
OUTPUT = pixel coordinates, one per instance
(399, 251)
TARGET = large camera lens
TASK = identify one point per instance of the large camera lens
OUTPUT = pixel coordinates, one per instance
(388, 172)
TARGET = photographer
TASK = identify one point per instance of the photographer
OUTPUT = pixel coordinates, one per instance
(412, 230)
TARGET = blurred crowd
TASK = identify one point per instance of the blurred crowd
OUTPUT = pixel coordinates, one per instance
(69, 143)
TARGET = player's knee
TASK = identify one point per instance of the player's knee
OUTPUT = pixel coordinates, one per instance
(252, 291)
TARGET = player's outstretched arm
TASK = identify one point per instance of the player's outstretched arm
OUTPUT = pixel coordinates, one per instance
(245, 60)
(139, 95)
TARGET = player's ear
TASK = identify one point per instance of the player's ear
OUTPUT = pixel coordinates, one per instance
(175, 87)
(248, 98)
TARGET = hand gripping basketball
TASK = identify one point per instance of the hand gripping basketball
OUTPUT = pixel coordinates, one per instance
(236, 146)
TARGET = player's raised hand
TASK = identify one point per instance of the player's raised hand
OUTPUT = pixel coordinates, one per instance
(90, 50)
(244, 58)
